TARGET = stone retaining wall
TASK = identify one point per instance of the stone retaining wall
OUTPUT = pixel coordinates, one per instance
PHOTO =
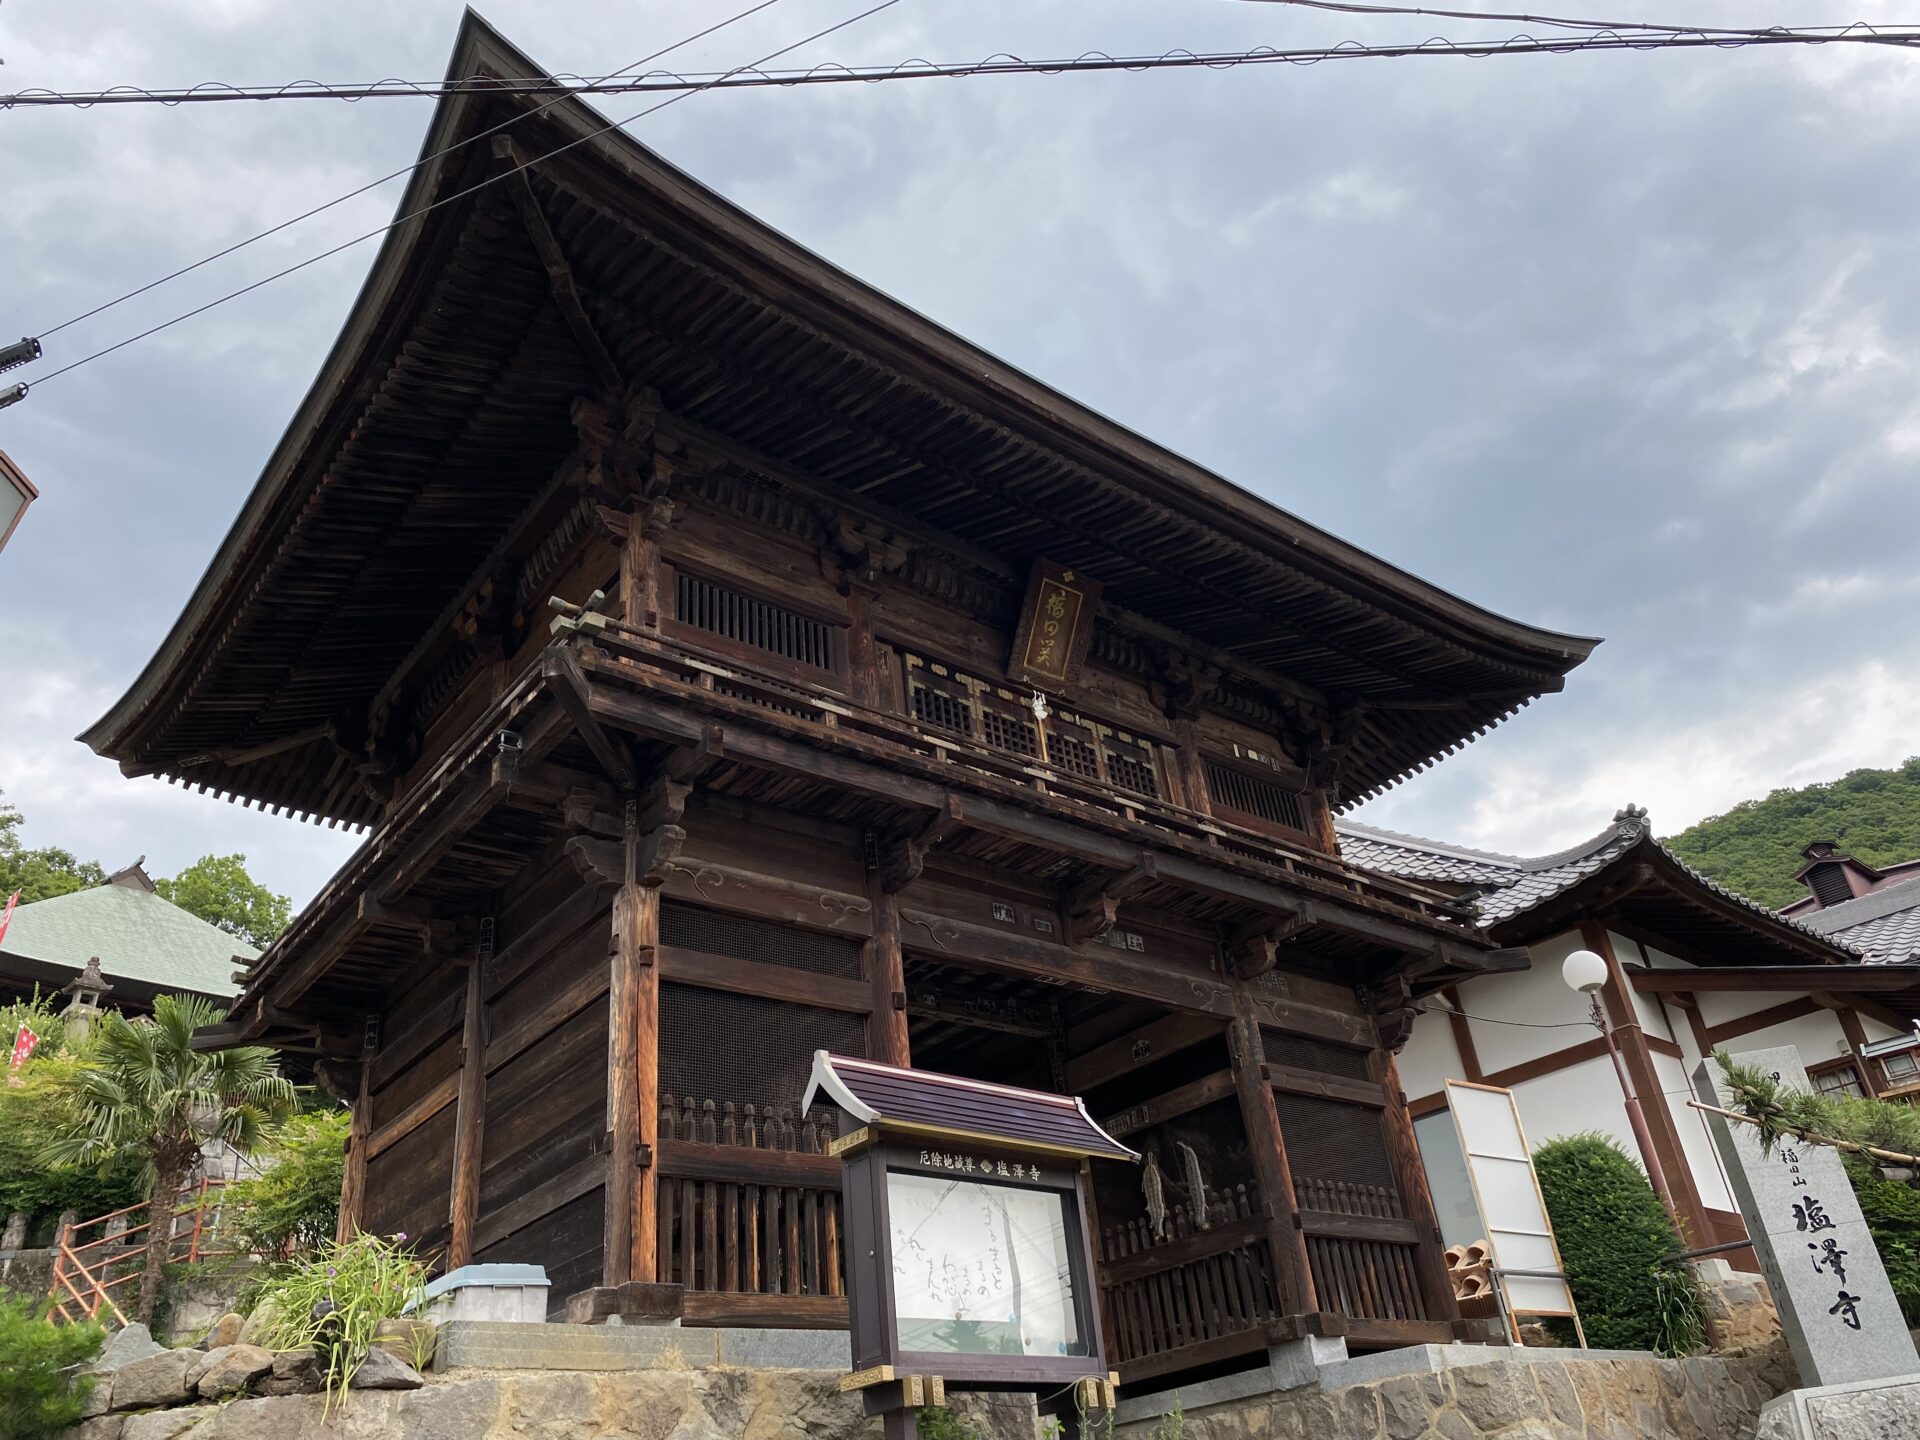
(1509, 1394)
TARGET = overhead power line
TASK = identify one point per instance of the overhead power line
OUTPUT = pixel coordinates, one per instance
(398, 221)
(394, 175)
(1595, 36)
(756, 74)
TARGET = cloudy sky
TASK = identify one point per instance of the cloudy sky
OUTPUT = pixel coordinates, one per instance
(1623, 344)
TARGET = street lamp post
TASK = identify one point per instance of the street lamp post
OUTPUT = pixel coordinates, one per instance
(1586, 972)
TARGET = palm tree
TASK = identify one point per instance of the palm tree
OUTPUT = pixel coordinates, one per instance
(142, 1088)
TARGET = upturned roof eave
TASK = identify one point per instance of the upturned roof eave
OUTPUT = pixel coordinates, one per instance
(1537, 658)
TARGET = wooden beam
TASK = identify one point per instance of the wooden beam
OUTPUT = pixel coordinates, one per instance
(1683, 1190)
(1796, 979)
(570, 687)
(1214, 877)
(887, 1030)
(414, 1116)
(1093, 907)
(1718, 1035)
(1463, 1037)
(701, 881)
(1098, 966)
(1255, 948)
(1176, 1102)
(566, 294)
(771, 982)
(906, 857)
(353, 1184)
(631, 1236)
(1293, 1271)
(470, 1111)
(1410, 1177)
(1154, 1041)
(1856, 1034)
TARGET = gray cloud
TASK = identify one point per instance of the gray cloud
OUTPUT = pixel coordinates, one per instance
(1624, 344)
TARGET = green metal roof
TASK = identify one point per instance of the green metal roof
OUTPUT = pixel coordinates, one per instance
(137, 935)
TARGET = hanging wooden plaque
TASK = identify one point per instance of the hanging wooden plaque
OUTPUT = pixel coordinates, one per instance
(1056, 627)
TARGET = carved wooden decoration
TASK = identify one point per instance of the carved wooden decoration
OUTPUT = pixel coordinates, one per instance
(1056, 627)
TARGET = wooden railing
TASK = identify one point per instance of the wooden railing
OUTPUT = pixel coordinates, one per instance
(1361, 1248)
(1193, 1290)
(87, 1271)
(750, 1216)
(640, 658)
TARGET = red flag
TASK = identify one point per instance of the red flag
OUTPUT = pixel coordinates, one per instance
(6, 916)
(23, 1046)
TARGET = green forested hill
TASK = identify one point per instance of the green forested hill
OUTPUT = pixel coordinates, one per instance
(1755, 847)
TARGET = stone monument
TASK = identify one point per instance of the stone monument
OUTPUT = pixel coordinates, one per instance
(1837, 1309)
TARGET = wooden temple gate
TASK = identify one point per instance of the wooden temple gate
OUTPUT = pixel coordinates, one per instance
(896, 706)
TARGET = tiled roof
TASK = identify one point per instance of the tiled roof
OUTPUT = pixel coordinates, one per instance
(137, 935)
(1510, 885)
(1882, 925)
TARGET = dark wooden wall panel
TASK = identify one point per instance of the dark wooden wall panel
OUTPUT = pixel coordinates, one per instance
(410, 1184)
(434, 1067)
(546, 1109)
(567, 1241)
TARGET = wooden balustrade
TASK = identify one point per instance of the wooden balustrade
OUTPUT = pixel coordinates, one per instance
(1360, 1246)
(1193, 1287)
(749, 1213)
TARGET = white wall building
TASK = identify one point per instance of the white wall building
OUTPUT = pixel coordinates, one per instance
(1693, 967)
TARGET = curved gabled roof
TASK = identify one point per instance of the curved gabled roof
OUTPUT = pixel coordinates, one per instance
(1511, 892)
(446, 404)
(137, 936)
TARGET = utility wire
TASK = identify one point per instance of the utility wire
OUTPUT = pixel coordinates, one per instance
(449, 199)
(755, 75)
(403, 170)
(1595, 36)
(1352, 7)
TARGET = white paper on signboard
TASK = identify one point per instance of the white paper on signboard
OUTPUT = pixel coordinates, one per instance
(1518, 1231)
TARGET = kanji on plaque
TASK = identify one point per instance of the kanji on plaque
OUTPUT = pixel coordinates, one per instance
(1056, 627)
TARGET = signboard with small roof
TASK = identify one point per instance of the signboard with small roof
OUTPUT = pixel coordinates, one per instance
(969, 1259)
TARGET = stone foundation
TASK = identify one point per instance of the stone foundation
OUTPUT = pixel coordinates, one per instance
(1464, 1393)
(1740, 1306)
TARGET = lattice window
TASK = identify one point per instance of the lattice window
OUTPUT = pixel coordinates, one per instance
(1072, 754)
(1007, 729)
(1130, 764)
(1254, 796)
(755, 623)
(689, 927)
(939, 697)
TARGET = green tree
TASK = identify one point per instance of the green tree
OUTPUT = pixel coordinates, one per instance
(219, 890)
(294, 1206)
(28, 1111)
(1755, 847)
(39, 874)
(143, 1089)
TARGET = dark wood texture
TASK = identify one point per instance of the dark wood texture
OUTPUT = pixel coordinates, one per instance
(469, 1115)
(1293, 1274)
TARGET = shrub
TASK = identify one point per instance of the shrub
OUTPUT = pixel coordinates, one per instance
(1892, 1212)
(41, 1391)
(333, 1302)
(293, 1207)
(1614, 1234)
(41, 1190)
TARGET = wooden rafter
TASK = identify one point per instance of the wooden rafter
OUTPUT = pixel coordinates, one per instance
(566, 292)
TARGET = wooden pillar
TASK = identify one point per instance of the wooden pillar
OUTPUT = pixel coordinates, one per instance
(640, 558)
(887, 1039)
(1462, 1039)
(633, 1074)
(1416, 1198)
(1856, 1034)
(470, 1106)
(1293, 1272)
(353, 1184)
(1683, 1198)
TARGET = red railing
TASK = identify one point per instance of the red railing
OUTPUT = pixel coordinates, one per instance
(87, 1272)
